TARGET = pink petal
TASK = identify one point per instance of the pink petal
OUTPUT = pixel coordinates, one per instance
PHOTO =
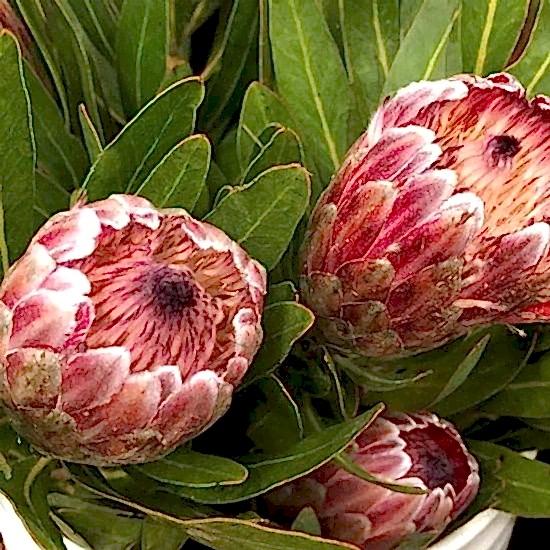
(67, 279)
(200, 400)
(406, 104)
(170, 380)
(320, 237)
(444, 235)
(34, 377)
(91, 379)
(139, 209)
(70, 235)
(46, 319)
(516, 254)
(248, 333)
(360, 216)
(6, 317)
(423, 195)
(131, 409)
(111, 213)
(27, 274)
(366, 279)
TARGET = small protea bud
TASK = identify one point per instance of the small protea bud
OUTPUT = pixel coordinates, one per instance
(124, 331)
(436, 221)
(416, 450)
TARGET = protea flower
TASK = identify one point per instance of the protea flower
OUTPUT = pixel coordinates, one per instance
(416, 450)
(437, 220)
(125, 330)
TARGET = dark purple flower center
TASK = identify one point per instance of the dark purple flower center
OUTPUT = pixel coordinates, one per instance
(503, 148)
(170, 289)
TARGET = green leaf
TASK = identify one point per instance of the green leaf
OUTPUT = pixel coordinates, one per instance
(91, 137)
(307, 522)
(284, 323)
(352, 467)
(281, 292)
(525, 483)
(161, 535)
(424, 43)
(17, 155)
(191, 469)
(277, 146)
(371, 30)
(272, 471)
(311, 78)
(528, 395)
(128, 160)
(532, 67)
(262, 215)
(234, 534)
(503, 359)
(24, 478)
(274, 421)
(59, 153)
(500, 362)
(237, 32)
(34, 16)
(142, 47)
(101, 526)
(490, 31)
(180, 177)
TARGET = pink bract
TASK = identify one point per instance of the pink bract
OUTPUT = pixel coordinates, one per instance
(124, 331)
(416, 450)
(437, 220)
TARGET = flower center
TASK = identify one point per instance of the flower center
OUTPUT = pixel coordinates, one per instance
(503, 148)
(169, 289)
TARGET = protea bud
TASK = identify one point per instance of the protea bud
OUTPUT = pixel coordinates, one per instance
(437, 220)
(125, 330)
(416, 450)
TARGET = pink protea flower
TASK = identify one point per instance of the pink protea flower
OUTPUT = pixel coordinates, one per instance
(437, 220)
(125, 330)
(416, 450)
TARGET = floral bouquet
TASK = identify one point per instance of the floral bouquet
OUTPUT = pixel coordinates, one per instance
(276, 273)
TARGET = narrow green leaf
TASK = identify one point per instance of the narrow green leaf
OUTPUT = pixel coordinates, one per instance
(489, 32)
(161, 535)
(463, 369)
(421, 48)
(284, 323)
(372, 39)
(17, 155)
(526, 482)
(528, 395)
(180, 177)
(59, 152)
(272, 471)
(311, 78)
(142, 47)
(263, 215)
(234, 534)
(34, 16)
(128, 160)
(91, 137)
(238, 31)
(281, 292)
(190, 469)
(307, 522)
(277, 146)
(24, 478)
(532, 69)
(100, 526)
(503, 359)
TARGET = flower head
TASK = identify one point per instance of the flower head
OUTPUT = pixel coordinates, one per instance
(416, 450)
(124, 330)
(436, 221)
